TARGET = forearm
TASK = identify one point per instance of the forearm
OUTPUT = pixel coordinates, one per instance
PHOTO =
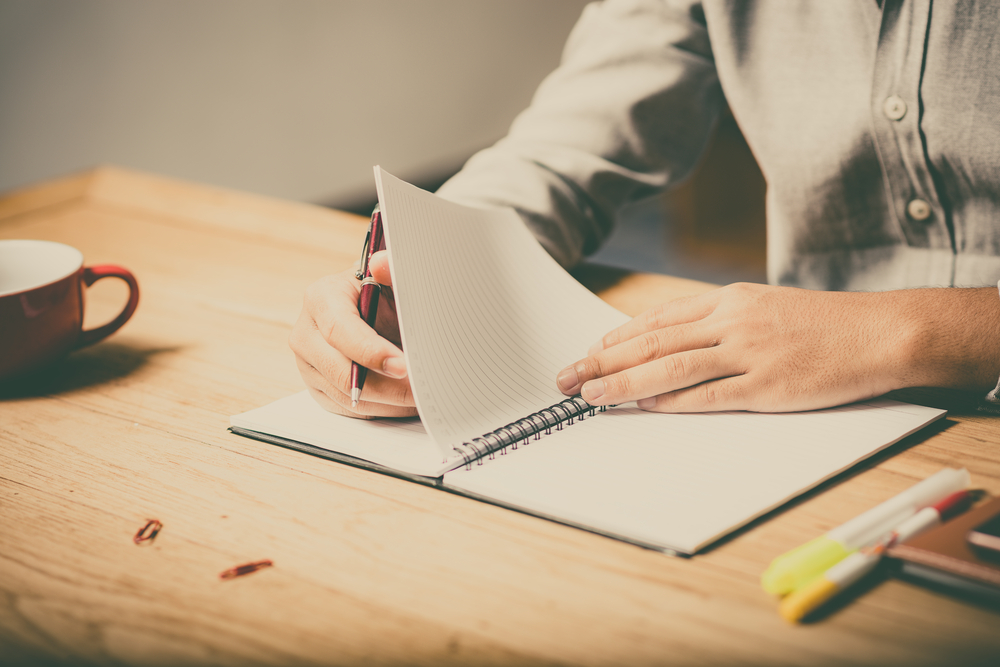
(627, 113)
(948, 337)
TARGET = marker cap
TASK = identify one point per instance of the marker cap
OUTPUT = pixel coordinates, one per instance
(797, 605)
(801, 565)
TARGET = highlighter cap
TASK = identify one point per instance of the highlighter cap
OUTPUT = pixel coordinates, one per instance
(802, 602)
(798, 567)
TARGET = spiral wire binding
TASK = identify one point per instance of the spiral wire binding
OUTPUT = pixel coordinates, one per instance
(563, 412)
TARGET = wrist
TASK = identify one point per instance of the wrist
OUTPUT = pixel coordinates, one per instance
(944, 337)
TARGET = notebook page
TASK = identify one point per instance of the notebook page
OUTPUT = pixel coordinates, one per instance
(400, 444)
(487, 317)
(682, 481)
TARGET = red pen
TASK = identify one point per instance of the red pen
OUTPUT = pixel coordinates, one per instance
(368, 297)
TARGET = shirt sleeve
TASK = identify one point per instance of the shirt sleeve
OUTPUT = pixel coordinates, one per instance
(628, 112)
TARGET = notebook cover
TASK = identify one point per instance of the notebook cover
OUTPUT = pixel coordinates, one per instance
(324, 453)
(945, 548)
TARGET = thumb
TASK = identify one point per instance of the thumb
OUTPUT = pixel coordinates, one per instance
(379, 266)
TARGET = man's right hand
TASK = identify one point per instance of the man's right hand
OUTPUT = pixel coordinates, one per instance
(330, 333)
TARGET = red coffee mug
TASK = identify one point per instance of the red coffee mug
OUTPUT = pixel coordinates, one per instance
(41, 303)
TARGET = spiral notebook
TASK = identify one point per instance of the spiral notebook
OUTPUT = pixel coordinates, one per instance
(487, 320)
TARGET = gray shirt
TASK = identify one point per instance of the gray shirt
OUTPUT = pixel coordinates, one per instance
(876, 128)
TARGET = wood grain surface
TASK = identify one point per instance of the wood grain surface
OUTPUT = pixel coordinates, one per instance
(368, 569)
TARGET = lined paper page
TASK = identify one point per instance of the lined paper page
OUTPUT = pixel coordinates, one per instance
(487, 317)
(682, 481)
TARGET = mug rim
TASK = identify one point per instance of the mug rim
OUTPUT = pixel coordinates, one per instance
(79, 264)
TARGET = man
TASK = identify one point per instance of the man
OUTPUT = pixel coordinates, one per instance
(875, 125)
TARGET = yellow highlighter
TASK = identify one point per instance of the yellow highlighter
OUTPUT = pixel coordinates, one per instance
(800, 566)
(844, 574)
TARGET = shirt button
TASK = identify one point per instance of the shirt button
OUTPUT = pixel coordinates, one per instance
(918, 209)
(894, 108)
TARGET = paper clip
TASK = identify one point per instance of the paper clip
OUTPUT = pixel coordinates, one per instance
(148, 532)
(248, 568)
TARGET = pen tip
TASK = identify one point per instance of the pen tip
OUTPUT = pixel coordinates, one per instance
(355, 397)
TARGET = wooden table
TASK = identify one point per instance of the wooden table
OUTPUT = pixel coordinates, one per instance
(367, 568)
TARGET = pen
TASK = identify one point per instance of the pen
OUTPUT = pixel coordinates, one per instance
(850, 570)
(801, 565)
(367, 297)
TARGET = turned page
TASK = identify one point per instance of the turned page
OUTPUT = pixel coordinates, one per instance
(487, 317)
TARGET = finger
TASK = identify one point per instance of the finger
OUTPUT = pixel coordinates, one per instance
(637, 351)
(332, 304)
(732, 393)
(670, 373)
(333, 399)
(379, 266)
(330, 405)
(378, 390)
(672, 313)
(333, 371)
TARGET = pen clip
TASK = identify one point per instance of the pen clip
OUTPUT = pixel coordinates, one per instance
(363, 264)
(366, 251)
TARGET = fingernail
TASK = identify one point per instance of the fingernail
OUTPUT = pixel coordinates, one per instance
(395, 367)
(646, 403)
(567, 379)
(593, 390)
(595, 348)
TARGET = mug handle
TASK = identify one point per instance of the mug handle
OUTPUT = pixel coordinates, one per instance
(91, 275)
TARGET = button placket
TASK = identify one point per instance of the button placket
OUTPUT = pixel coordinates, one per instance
(896, 119)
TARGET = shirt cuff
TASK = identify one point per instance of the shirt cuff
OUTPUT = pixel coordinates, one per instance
(991, 402)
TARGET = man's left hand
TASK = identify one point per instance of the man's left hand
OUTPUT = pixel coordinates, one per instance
(777, 349)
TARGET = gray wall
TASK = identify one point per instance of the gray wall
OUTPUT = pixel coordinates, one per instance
(279, 98)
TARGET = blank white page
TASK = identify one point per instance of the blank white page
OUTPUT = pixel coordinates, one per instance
(400, 444)
(682, 481)
(487, 317)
